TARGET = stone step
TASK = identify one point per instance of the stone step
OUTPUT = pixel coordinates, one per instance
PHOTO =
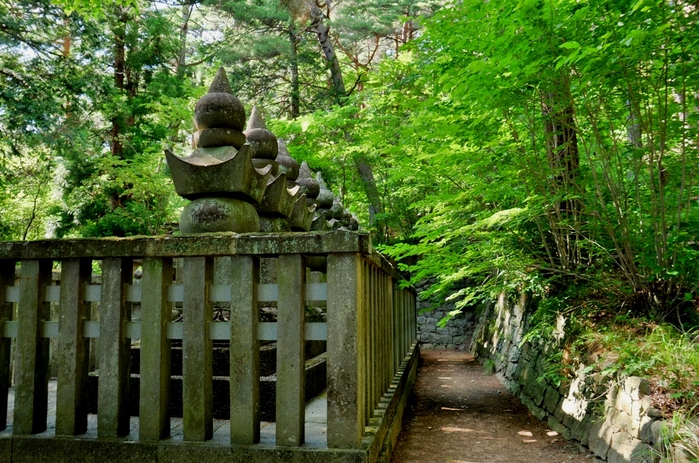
(315, 383)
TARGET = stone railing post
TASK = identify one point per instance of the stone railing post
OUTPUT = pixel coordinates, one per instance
(114, 349)
(244, 351)
(291, 278)
(7, 276)
(197, 350)
(156, 312)
(32, 355)
(72, 348)
(346, 351)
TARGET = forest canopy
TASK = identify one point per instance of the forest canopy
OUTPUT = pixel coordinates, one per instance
(546, 146)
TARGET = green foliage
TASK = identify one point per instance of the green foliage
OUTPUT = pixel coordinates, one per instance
(662, 353)
(679, 440)
(527, 149)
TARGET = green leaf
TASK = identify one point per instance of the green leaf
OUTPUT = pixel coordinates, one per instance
(570, 45)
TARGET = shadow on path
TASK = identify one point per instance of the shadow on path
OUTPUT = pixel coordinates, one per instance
(462, 415)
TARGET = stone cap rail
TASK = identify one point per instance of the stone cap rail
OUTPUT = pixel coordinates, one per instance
(206, 244)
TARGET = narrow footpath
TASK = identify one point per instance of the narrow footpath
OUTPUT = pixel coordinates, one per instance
(463, 415)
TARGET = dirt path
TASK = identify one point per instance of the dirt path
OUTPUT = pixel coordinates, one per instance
(462, 415)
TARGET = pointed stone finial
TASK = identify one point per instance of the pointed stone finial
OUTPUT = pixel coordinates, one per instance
(219, 109)
(307, 183)
(336, 210)
(263, 142)
(220, 83)
(287, 164)
(255, 121)
(325, 197)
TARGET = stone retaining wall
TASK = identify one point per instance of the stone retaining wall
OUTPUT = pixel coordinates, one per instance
(456, 334)
(612, 417)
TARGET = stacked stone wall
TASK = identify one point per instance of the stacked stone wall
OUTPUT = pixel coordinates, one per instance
(612, 417)
(457, 332)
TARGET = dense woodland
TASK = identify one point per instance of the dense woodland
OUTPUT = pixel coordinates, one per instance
(549, 146)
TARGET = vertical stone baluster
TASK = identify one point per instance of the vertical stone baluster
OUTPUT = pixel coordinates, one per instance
(401, 326)
(114, 349)
(245, 348)
(406, 324)
(366, 308)
(156, 312)
(388, 332)
(413, 319)
(392, 322)
(291, 404)
(7, 276)
(396, 326)
(346, 351)
(72, 349)
(373, 325)
(197, 350)
(366, 295)
(32, 351)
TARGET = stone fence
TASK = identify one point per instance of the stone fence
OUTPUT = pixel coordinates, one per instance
(612, 417)
(369, 327)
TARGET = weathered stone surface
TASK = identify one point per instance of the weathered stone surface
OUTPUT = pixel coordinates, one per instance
(645, 432)
(218, 172)
(31, 350)
(6, 450)
(274, 225)
(263, 142)
(600, 438)
(220, 244)
(287, 164)
(206, 215)
(219, 108)
(325, 196)
(624, 402)
(636, 387)
(621, 420)
(624, 449)
(309, 185)
(278, 200)
(580, 430)
(302, 215)
(551, 399)
(209, 138)
(261, 164)
(28, 450)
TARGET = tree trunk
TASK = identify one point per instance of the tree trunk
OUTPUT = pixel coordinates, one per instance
(119, 31)
(564, 162)
(295, 86)
(322, 31)
(187, 9)
(366, 173)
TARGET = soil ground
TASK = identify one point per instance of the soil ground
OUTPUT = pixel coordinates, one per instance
(460, 414)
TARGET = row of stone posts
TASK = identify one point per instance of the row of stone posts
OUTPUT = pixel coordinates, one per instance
(245, 180)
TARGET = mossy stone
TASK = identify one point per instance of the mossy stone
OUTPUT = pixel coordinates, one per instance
(206, 215)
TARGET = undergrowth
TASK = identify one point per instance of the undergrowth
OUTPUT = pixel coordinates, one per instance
(621, 344)
(666, 355)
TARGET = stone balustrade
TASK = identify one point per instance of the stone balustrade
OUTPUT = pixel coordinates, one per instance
(370, 329)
